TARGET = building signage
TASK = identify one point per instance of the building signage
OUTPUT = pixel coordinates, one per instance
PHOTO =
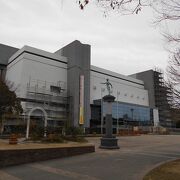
(81, 100)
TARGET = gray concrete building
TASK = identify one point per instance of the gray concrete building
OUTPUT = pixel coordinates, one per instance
(5, 53)
(67, 87)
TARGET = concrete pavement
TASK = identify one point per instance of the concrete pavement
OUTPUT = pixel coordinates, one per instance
(137, 155)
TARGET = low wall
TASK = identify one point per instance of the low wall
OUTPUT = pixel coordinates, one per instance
(21, 156)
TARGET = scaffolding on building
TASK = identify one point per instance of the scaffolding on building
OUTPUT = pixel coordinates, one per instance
(52, 97)
(161, 97)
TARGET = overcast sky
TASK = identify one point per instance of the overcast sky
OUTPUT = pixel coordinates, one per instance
(124, 44)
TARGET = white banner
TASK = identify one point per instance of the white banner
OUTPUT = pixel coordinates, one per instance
(81, 100)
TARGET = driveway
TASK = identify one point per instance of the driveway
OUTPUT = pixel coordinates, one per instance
(136, 156)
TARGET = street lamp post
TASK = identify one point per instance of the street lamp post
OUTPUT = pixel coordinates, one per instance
(132, 111)
(102, 90)
(117, 125)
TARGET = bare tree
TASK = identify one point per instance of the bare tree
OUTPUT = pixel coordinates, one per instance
(168, 11)
(123, 7)
(173, 80)
(9, 103)
(165, 9)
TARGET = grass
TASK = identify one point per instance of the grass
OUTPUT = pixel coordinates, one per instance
(167, 171)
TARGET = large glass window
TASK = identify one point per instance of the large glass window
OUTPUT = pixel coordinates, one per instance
(129, 112)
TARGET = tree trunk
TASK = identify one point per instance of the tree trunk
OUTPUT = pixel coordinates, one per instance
(1, 124)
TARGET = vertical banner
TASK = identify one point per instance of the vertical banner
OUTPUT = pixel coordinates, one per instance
(81, 100)
(156, 117)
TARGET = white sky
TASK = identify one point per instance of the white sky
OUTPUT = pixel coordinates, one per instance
(124, 44)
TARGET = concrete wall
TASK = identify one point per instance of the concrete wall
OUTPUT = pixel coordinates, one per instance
(125, 89)
(5, 53)
(37, 69)
(148, 78)
(28, 63)
(14, 75)
(21, 156)
(78, 55)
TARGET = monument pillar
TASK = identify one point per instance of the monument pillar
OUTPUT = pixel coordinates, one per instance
(109, 141)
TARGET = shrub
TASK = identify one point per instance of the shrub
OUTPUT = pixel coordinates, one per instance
(39, 130)
(53, 138)
(35, 137)
(74, 131)
(36, 133)
(17, 129)
(80, 139)
(54, 130)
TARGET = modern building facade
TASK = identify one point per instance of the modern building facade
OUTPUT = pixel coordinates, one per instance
(69, 89)
(157, 92)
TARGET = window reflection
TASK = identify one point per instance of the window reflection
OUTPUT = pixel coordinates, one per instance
(129, 112)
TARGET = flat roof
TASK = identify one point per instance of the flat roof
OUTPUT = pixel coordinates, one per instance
(57, 57)
(116, 75)
(38, 52)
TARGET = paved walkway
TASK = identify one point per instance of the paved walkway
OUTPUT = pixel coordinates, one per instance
(136, 156)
